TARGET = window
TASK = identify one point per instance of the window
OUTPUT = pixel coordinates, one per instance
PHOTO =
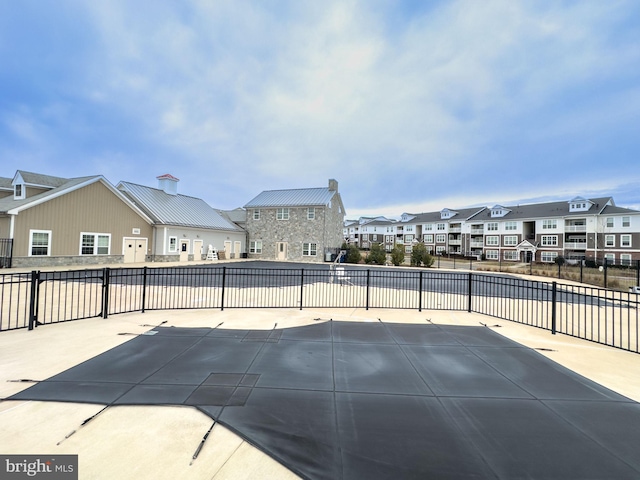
(491, 255)
(309, 249)
(255, 246)
(440, 238)
(549, 257)
(407, 248)
(389, 239)
(95, 243)
(549, 224)
(625, 240)
(173, 244)
(625, 259)
(282, 214)
(39, 243)
(428, 238)
(440, 250)
(375, 237)
(510, 240)
(511, 225)
(510, 255)
(311, 213)
(610, 258)
(492, 240)
(550, 240)
(409, 228)
(492, 226)
(18, 191)
(626, 221)
(441, 226)
(609, 222)
(256, 214)
(428, 227)
(609, 240)
(408, 238)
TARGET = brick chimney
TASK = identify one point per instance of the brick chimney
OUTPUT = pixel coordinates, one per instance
(168, 184)
(333, 185)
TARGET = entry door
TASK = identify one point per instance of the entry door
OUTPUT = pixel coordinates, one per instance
(237, 246)
(135, 250)
(184, 250)
(197, 250)
(227, 249)
(281, 251)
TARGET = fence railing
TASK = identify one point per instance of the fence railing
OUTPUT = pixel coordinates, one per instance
(596, 314)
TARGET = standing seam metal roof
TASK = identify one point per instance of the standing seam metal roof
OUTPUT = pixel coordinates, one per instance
(179, 210)
(292, 198)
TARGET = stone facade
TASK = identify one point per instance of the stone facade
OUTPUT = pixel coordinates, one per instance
(293, 238)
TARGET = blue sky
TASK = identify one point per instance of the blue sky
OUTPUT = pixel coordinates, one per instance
(412, 106)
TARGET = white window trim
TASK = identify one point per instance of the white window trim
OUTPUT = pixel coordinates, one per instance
(95, 243)
(311, 213)
(553, 243)
(613, 243)
(256, 214)
(622, 237)
(495, 240)
(282, 213)
(23, 193)
(175, 247)
(255, 246)
(48, 232)
(511, 243)
(310, 252)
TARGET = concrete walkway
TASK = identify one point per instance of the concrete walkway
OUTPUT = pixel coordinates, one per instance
(159, 442)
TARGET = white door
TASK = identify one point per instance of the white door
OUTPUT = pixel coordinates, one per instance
(237, 247)
(197, 250)
(184, 250)
(281, 251)
(227, 249)
(134, 249)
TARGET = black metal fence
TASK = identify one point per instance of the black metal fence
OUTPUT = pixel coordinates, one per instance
(596, 314)
(6, 252)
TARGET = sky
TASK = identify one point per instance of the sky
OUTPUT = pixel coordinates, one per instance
(412, 106)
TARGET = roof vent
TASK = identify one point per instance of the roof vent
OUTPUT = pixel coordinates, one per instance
(168, 184)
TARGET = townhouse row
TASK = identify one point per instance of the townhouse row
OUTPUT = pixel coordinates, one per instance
(578, 229)
(49, 221)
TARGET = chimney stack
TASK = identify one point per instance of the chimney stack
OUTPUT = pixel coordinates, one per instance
(168, 184)
(333, 185)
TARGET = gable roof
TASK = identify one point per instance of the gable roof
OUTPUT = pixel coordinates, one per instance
(549, 210)
(293, 198)
(178, 210)
(9, 205)
(38, 179)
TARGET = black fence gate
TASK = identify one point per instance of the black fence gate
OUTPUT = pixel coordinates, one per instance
(6, 252)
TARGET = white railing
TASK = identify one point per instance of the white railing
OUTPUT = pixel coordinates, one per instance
(575, 228)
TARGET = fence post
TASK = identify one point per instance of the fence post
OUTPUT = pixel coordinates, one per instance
(638, 272)
(454, 262)
(581, 264)
(144, 287)
(470, 296)
(224, 280)
(606, 264)
(368, 280)
(554, 293)
(106, 273)
(33, 300)
(420, 292)
(301, 286)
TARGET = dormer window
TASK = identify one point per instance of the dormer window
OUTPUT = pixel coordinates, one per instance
(579, 204)
(499, 211)
(18, 191)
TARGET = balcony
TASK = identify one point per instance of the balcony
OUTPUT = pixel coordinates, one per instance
(455, 242)
(477, 230)
(477, 244)
(575, 228)
(575, 245)
(455, 229)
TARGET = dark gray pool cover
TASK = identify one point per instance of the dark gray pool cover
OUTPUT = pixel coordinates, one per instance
(375, 400)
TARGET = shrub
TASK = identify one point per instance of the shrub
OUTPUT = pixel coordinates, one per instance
(397, 255)
(377, 255)
(420, 256)
(353, 254)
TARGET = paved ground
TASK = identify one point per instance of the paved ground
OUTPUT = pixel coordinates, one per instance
(160, 441)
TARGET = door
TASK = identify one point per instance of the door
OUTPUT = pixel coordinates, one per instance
(227, 249)
(281, 251)
(237, 246)
(135, 249)
(184, 250)
(197, 250)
